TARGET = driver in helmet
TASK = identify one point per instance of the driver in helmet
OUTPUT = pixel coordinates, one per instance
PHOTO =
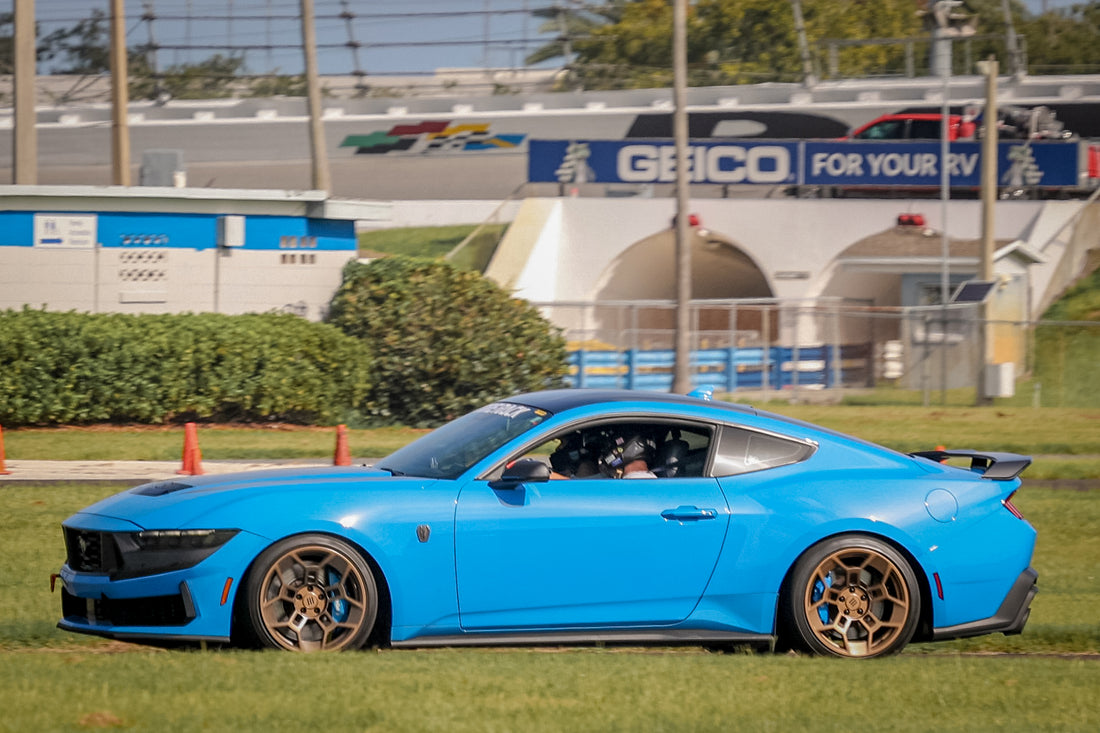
(572, 459)
(629, 457)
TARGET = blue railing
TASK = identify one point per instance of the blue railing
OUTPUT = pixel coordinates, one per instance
(729, 369)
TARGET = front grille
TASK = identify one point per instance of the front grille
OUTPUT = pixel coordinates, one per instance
(90, 552)
(174, 610)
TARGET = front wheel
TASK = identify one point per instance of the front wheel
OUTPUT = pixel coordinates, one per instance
(312, 593)
(852, 596)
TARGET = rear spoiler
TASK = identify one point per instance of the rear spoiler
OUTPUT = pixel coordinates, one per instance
(995, 466)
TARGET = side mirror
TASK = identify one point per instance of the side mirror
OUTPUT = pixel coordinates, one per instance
(525, 470)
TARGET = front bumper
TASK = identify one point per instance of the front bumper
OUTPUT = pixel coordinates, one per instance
(1010, 617)
(195, 603)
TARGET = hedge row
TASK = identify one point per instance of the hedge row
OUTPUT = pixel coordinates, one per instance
(411, 341)
(80, 368)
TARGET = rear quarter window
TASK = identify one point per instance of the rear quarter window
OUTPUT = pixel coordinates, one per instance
(744, 451)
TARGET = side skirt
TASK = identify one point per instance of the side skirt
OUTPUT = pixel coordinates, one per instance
(632, 636)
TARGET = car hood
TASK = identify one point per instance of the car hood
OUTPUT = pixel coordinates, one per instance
(180, 503)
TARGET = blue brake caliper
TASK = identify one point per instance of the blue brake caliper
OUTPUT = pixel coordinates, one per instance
(819, 591)
(339, 606)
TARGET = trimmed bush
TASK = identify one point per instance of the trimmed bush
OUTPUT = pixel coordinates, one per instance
(444, 341)
(80, 368)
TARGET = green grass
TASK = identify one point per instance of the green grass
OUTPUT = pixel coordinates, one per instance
(1065, 442)
(1025, 430)
(486, 691)
(436, 242)
(58, 681)
(143, 443)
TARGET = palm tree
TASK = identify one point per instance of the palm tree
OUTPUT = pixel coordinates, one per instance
(571, 19)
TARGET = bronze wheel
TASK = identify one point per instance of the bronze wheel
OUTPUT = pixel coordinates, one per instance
(853, 597)
(312, 593)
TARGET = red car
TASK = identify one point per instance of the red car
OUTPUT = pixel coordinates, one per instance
(915, 126)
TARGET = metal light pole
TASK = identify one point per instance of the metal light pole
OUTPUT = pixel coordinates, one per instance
(320, 178)
(25, 137)
(681, 381)
(943, 59)
(120, 98)
(808, 78)
(990, 69)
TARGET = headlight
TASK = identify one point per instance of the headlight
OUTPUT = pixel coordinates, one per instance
(164, 550)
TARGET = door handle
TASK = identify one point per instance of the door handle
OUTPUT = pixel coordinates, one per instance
(688, 514)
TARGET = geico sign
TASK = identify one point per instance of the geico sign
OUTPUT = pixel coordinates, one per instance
(706, 164)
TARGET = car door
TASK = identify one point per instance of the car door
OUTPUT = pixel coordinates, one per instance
(593, 552)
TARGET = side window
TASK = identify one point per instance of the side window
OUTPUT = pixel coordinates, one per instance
(887, 130)
(744, 451)
(925, 130)
(630, 448)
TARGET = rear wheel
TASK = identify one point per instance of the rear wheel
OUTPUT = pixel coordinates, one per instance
(852, 596)
(312, 593)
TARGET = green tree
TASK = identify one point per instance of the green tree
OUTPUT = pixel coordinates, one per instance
(571, 21)
(211, 78)
(744, 41)
(443, 341)
(80, 49)
(736, 41)
(84, 49)
(1066, 40)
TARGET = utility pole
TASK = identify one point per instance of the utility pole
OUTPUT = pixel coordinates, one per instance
(942, 63)
(1012, 44)
(808, 78)
(25, 134)
(320, 180)
(681, 379)
(120, 98)
(566, 45)
(990, 69)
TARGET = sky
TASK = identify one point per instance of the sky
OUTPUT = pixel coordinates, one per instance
(450, 33)
(410, 36)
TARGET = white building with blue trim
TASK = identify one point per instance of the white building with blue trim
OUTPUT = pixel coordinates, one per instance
(170, 250)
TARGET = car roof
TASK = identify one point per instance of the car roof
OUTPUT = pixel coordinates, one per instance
(560, 400)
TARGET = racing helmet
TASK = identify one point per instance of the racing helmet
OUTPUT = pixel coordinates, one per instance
(624, 451)
(568, 455)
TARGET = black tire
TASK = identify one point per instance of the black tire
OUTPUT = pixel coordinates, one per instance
(312, 592)
(851, 596)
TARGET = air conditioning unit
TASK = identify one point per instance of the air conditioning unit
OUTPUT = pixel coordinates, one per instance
(231, 231)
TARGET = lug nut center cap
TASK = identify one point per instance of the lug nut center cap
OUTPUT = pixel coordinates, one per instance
(310, 601)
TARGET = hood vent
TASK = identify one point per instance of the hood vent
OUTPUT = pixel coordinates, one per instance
(160, 488)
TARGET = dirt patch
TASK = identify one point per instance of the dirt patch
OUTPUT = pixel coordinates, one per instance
(100, 719)
(106, 647)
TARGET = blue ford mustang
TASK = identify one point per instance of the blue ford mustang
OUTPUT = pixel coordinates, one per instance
(517, 524)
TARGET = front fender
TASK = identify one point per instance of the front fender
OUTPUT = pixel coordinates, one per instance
(410, 538)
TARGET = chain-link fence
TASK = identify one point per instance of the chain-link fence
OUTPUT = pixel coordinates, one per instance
(785, 346)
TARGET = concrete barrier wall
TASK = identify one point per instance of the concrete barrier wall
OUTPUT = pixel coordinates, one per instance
(564, 249)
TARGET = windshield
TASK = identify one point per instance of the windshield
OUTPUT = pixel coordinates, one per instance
(449, 451)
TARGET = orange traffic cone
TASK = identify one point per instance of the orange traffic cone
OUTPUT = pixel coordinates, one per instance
(3, 471)
(941, 448)
(192, 456)
(342, 456)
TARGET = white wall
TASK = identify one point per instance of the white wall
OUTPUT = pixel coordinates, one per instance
(565, 258)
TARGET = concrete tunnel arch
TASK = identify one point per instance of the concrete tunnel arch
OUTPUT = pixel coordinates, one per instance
(646, 270)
